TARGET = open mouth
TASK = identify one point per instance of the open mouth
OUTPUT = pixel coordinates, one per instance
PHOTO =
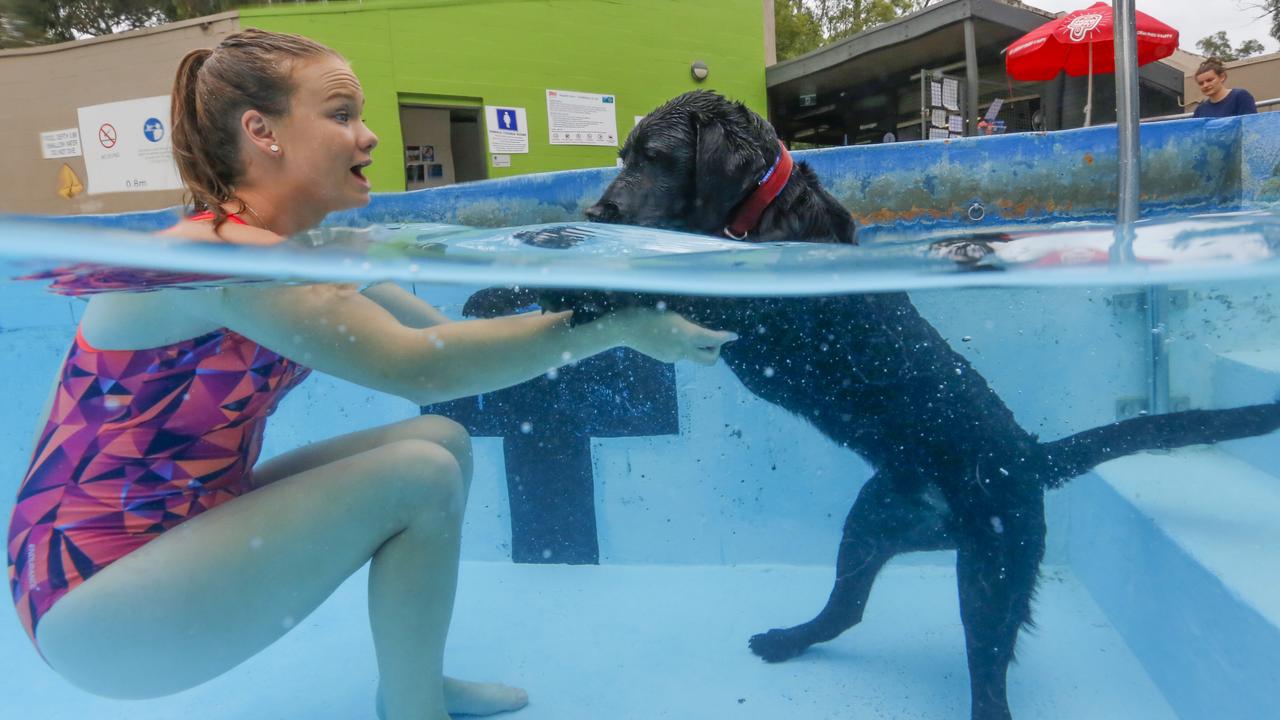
(358, 171)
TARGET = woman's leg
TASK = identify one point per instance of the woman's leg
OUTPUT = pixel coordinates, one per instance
(460, 696)
(207, 595)
(432, 428)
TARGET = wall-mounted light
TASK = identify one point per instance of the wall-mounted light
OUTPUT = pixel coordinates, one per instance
(698, 70)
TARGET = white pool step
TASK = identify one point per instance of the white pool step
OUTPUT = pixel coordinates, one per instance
(1246, 378)
(1182, 552)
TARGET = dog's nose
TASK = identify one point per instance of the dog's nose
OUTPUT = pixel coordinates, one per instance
(604, 211)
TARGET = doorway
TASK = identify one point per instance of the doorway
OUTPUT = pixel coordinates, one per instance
(442, 145)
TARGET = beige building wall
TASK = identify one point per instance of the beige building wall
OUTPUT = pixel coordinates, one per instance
(44, 86)
(770, 35)
(1259, 75)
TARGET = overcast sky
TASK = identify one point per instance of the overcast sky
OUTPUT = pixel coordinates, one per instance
(1193, 19)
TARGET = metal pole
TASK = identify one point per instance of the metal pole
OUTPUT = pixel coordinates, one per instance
(1126, 42)
(1127, 128)
(971, 77)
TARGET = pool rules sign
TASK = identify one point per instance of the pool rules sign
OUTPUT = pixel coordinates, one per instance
(577, 118)
(127, 146)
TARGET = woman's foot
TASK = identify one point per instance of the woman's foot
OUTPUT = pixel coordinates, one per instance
(474, 698)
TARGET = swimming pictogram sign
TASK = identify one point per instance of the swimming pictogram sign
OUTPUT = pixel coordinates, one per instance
(107, 135)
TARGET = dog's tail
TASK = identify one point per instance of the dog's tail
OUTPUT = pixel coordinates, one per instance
(1079, 453)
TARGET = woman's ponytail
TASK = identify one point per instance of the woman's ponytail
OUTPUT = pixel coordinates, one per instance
(190, 154)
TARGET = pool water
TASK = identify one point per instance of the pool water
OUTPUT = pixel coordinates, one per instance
(1159, 596)
(703, 515)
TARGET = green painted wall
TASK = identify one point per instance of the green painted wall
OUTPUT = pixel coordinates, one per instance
(509, 52)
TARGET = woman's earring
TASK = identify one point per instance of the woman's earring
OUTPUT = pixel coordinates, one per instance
(275, 148)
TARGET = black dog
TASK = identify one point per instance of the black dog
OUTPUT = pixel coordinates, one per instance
(954, 470)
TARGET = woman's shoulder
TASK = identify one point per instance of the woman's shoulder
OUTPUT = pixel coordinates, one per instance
(228, 232)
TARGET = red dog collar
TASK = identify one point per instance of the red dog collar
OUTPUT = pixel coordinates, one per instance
(767, 190)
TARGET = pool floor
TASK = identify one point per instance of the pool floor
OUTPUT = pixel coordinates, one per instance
(638, 642)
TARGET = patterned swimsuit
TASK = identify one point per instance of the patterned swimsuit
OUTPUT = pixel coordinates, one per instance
(137, 442)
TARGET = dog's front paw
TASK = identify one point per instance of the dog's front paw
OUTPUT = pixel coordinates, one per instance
(776, 645)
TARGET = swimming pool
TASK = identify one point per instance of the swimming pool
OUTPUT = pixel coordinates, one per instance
(716, 515)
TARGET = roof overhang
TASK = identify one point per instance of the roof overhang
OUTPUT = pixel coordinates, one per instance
(931, 37)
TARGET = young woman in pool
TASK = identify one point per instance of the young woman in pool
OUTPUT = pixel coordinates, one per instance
(147, 551)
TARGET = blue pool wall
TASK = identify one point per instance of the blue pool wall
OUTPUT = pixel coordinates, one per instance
(1187, 166)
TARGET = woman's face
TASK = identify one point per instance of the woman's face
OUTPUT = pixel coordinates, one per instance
(1210, 82)
(324, 142)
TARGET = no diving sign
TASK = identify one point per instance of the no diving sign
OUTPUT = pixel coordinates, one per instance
(508, 129)
(127, 147)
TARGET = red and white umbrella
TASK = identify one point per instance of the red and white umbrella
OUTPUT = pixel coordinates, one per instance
(1082, 43)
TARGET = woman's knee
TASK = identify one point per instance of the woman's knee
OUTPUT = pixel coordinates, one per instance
(424, 477)
(447, 433)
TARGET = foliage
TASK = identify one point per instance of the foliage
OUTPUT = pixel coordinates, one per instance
(804, 25)
(38, 22)
(1219, 46)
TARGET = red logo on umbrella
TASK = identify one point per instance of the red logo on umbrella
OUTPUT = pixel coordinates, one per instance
(1080, 25)
(107, 135)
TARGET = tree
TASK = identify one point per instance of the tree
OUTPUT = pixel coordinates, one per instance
(1219, 46)
(1249, 48)
(58, 21)
(804, 25)
(37, 22)
(1265, 8)
(796, 30)
(842, 18)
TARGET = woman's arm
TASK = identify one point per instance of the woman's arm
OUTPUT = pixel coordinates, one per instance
(336, 330)
(1248, 106)
(406, 307)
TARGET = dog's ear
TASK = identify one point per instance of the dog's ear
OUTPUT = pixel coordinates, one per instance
(728, 167)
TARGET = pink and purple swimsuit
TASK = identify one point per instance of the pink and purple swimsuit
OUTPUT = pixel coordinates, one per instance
(137, 442)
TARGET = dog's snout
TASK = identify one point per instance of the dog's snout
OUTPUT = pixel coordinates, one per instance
(605, 211)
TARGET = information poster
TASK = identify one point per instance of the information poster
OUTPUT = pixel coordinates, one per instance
(576, 118)
(508, 129)
(127, 146)
(60, 144)
(951, 94)
(940, 114)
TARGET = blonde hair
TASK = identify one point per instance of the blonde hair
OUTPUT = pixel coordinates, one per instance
(249, 70)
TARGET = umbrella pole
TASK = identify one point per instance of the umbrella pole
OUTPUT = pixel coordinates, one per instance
(1088, 98)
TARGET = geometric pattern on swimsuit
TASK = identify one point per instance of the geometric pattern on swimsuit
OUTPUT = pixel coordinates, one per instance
(137, 442)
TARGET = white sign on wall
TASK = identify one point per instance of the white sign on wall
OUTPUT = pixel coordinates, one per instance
(576, 118)
(508, 129)
(60, 144)
(127, 146)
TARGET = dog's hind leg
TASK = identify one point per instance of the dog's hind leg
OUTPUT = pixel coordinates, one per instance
(996, 567)
(883, 522)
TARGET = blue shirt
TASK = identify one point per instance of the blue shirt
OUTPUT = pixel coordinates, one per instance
(1237, 102)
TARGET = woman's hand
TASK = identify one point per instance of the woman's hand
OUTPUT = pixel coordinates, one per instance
(668, 337)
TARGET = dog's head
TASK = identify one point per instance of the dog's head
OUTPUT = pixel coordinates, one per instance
(688, 164)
